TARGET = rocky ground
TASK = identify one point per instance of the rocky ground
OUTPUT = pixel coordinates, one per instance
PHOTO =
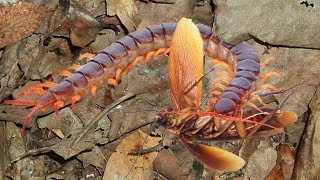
(41, 38)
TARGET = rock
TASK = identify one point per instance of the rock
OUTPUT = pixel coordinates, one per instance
(156, 13)
(104, 39)
(284, 23)
(296, 66)
(262, 160)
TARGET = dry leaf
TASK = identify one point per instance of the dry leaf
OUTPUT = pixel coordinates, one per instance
(121, 165)
(125, 10)
(285, 163)
(121, 5)
(19, 20)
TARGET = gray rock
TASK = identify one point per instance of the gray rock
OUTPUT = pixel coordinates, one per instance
(283, 23)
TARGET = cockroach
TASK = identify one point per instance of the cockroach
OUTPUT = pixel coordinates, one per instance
(226, 119)
(187, 44)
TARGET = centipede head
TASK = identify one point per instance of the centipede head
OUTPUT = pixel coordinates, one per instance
(42, 103)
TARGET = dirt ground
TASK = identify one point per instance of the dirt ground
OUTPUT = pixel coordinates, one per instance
(39, 39)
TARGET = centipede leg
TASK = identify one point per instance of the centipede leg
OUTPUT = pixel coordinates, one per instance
(37, 89)
(217, 85)
(264, 63)
(151, 55)
(115, 81)
(132, 64)
(63, 73)
(267, 86)
(112, 82)
(165, 53)
(57, 106)
(217, 122)
(253, 106)
(224, 74)
(214, 93)
(254, 96)
(74, 66)
(241, 129)
(85, 55)
(46, 84)
(118, 75)
(162, 51)
(218, 63)
(74, 99)
(269, 74)
(94, 91)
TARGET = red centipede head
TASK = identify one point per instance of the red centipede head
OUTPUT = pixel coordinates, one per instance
(42, 103)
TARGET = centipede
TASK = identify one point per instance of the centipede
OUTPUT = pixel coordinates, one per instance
(186, 44)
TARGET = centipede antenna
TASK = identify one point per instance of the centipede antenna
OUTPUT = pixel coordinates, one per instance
(29, 117)
(20, 102)
(284, 90)
(255, 129)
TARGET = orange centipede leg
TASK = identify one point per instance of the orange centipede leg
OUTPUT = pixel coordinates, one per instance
(164, 53)
(264, 63)
(218, 63)
(224, 74)
(153, 54)
(161, 51)
(36, 90)
(132, 64)
(74, 99)
(63, 73)
(57, 106)
(118, 75)
(218, 85)
(149, 57)
(74, 66)
(85, 55)
(113, 82)
(254, 96)
(46, 84)
(253, 106)
(269, 74)
(267, 86)
(241, 129)
(94, 91)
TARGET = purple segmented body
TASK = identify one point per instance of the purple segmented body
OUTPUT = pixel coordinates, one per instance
(149, 42)
(247, 70)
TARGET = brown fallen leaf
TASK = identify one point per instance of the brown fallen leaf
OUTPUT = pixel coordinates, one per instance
(19, 20)
(121, 165)
(285, 163)
(125, 10)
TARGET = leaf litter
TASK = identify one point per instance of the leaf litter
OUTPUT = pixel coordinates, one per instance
(52, 34)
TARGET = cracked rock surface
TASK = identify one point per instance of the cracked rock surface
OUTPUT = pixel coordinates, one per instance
(281, 23)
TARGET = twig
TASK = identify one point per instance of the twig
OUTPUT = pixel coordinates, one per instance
(155, 148)
(103, 113)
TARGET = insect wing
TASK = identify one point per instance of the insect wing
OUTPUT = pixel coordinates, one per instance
(213, 157)
(186, 66)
